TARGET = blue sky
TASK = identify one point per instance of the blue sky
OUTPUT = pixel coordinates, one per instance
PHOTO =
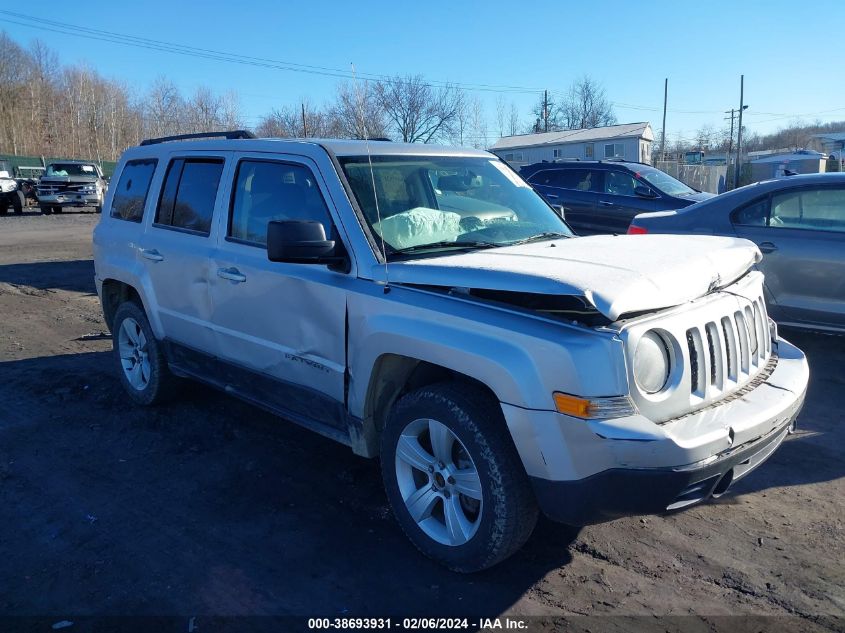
(785, 49)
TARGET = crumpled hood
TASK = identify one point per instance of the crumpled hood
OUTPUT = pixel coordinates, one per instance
(618, 274)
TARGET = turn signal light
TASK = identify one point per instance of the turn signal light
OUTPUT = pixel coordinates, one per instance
(571, 405)
(593, 408)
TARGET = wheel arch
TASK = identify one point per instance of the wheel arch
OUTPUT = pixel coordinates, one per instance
(113, 293)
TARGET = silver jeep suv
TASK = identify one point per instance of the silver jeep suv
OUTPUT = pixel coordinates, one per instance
(423, 305)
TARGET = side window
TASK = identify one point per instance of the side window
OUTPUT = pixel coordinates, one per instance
(813, 209)
(614, 150)
(190, 189)
(619, 183)
(132, 188)
(754, 214)
(589, 150)
(266, 191)
(577, 179)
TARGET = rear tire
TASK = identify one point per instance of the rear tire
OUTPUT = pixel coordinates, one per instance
(4, 207)
(454, 479)
(139, 357)
(18, 202)
(98, 209)
(46, 210)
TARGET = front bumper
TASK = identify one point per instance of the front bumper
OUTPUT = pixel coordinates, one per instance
(589, 472)
(70, 200)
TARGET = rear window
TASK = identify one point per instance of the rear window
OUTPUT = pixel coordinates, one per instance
(132, 188)
(189, 192)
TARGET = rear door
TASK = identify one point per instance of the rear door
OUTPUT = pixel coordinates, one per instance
(618, 204)
(177, 247)
(574, 189)
(801, 233)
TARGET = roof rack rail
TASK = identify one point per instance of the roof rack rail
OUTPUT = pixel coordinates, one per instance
(617, 159)
(229, 135)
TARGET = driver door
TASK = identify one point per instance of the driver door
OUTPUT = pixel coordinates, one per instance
(280, 327)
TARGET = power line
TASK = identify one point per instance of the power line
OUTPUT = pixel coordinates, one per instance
(74, 30)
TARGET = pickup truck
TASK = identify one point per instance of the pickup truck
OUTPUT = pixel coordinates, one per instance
(71, 183)
(424, 306)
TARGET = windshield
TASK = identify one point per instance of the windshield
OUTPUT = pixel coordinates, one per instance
(441, 202)
(664, 182)
(70, 169)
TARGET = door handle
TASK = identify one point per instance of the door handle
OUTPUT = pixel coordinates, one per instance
(232, 274)
(605, 203)
(552, 196)
(152, 254)
(768, 247)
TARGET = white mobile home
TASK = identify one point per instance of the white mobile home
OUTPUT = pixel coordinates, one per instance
(629, 141)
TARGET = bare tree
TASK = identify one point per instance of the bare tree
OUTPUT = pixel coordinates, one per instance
(418, 112)
(478, 123)
(501, 116)
(585, 106)
(164, 109)
(357, 112)
(513, 120)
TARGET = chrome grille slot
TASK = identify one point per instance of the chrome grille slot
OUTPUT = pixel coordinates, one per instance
(731, 356)
(717, 360)
(742, 335)
(697, 362)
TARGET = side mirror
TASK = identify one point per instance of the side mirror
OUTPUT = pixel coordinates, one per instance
(644, 192)
(299, 242)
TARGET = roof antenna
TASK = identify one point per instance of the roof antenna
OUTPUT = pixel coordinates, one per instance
(360, 100)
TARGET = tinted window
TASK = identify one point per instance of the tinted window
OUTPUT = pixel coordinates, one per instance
(188, 195)
(816, 209)
(754, 214)
(130, 196)
(619, 183)
(267, 191)
(578, 179)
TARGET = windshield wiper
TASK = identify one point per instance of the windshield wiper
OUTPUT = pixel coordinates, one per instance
(546, 235)
(444, 244)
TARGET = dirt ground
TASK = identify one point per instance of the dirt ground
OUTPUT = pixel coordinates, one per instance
(210, 507)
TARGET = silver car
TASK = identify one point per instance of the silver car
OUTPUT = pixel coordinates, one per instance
(424, 305)
(798, 223)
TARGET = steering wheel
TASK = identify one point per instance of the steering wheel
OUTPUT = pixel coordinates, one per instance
(471, 223)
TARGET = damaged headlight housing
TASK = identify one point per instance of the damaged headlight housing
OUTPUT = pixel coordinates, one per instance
(652, 362)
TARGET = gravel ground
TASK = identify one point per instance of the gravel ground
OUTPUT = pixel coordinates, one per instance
(210, 507)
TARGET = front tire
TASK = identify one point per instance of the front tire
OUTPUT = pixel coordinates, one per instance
(140, 358)
(46, 210)
(57, 209)
(454, 479)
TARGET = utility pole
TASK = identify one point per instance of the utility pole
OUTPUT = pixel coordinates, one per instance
(546, 110)
(731, 139)
(663, 130)
(739, 130)
(304, 124)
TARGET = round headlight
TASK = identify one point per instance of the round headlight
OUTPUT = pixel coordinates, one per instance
(652, 362)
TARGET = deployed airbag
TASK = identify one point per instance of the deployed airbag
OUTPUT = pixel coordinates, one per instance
(419, 225)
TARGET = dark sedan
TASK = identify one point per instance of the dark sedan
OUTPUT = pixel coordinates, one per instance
(798, 222)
